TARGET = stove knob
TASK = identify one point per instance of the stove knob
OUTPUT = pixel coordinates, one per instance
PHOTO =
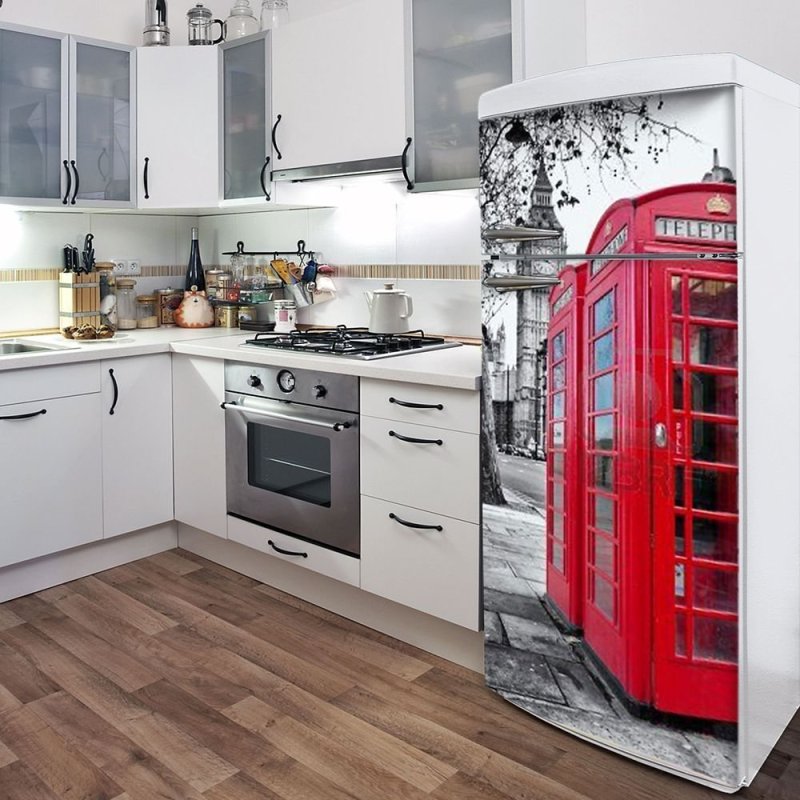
(254, 381)
(320, 391)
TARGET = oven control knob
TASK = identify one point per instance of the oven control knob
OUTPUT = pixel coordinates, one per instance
(254, 381)
(320, 391)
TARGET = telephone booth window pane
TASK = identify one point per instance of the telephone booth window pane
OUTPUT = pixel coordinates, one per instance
(558, 557)
(558, 465)
(558, 434)
(680, 535)
(715, 394)
(558, 346)
(604, 392)
(603, 513)
(677, 294)
(714, 441)
(604, 554)
(715, 539)
(677, 341)
(603, 596)
(680, 635)
(713, 299)
(677, 388)
(558, 526)
(712, 345)
(604, 432)
(714, 589)
(680, 475)
(604, 472)
(604, 352)
(715, 491)
(558, 405)
(559, 376)
(716, 639)
(558, 496)
(604, 312)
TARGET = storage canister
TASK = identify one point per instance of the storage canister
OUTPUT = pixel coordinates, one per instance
(226, 315)
(168, 302)
(147, 312)
(126, 303)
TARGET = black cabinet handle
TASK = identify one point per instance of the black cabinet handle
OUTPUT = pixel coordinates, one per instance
(263, 179)
(116, 392)
(285, 552)
(404, 164)
(406, 404)
(146, 178)
(415, 441)
(416, 525)
(77, 183)
(274, 139)
(26, 416)
(65, 199)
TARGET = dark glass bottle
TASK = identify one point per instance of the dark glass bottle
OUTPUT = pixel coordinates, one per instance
(195, 276)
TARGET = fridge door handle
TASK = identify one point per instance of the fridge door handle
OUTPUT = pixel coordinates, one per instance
(519, 283)
(660, 435)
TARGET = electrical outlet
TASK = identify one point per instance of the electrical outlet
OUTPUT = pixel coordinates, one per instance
(120, 266)
(134, 266)
(127, 266)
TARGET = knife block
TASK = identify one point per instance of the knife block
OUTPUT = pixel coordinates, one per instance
(78, 299)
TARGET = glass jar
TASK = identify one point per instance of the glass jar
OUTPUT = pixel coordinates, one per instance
(126, 304)
(108, 298)
(241, 22)
(274, 14)
(147, 312)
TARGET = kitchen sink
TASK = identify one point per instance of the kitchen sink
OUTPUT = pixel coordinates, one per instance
(12, 347)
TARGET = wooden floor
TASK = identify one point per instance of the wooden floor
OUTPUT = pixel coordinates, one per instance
(175, 678)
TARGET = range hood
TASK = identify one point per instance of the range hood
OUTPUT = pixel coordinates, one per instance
(369, 166)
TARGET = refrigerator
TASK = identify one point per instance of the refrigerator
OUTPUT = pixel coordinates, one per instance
(641, 407)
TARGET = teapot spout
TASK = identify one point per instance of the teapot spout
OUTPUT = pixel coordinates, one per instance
(368, 298)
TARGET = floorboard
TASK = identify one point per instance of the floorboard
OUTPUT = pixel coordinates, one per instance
(178, 679)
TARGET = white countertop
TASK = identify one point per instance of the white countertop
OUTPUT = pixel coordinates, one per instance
(454, 367)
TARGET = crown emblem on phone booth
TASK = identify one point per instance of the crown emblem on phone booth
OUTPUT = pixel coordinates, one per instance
(718, 205)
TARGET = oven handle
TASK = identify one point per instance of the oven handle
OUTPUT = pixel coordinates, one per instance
(336, 426)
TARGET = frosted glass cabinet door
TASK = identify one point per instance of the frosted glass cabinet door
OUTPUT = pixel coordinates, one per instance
(459, 49)
(33, 81)
(101, 116)
(246, 157)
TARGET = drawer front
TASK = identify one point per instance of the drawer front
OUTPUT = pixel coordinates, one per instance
(460, 410)
(443, 478)
(44, 383)
(435, 571)
(318, 559)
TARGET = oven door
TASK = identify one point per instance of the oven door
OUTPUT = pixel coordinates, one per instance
(294, 468)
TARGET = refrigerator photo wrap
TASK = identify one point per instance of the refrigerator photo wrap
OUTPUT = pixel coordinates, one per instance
(641, 458)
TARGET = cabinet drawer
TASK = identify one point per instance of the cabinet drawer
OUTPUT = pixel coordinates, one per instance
(44, 383)
(460, 410)
(442, 478)
(318, 559)
(435, 571)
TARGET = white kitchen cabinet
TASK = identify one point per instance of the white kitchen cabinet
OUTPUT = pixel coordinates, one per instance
(338, 88)
(50, 473)
(137, 443)
(198, 389)
(177, 127)
(66, 120)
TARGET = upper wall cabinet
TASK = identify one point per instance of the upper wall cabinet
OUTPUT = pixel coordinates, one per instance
(177, 127)
(338, 89)
(65, 120)
(455, 51)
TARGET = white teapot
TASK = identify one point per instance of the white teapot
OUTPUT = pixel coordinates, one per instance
(389, 309)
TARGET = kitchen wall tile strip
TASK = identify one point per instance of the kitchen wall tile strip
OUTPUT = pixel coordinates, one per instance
(438, 272)
(27, 275)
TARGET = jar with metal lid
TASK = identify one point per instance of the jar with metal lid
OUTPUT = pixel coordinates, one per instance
(126, 303)
(147, 312)
(168, 302)
(226, 315)
(285, 316)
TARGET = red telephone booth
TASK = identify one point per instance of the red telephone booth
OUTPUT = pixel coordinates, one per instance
(658, 406)
(564, 513)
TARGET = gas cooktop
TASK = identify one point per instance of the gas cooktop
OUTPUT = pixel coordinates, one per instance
(350, 342)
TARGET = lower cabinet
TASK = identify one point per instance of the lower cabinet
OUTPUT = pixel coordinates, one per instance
(137, 442)
(422, 560)
(50, 473)
(198, 389)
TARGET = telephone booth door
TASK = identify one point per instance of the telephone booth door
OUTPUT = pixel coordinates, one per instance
(695, 488)
(564, 517)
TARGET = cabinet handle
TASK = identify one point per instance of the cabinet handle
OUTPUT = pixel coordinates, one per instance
(274, 139)
(116, 392)
(146, 178)
(285, 552)
(77, 183)
(411, 439)
(416, 525)
(263, 178)
(404, 164)
(26, 416)
(406, 404)
(65, 199)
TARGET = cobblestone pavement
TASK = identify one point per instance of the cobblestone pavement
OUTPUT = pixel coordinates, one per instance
(533, 665)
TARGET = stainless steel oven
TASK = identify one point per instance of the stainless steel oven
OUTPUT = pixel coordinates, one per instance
(292, 452)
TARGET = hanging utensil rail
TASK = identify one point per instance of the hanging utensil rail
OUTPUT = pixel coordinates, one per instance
(300, 251)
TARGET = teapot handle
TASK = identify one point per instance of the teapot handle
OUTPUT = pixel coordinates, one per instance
(409, 307)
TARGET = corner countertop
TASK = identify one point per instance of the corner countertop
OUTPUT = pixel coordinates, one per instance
(454, 367)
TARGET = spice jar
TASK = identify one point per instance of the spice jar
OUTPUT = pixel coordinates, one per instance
(147, 312)
(126, 303)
